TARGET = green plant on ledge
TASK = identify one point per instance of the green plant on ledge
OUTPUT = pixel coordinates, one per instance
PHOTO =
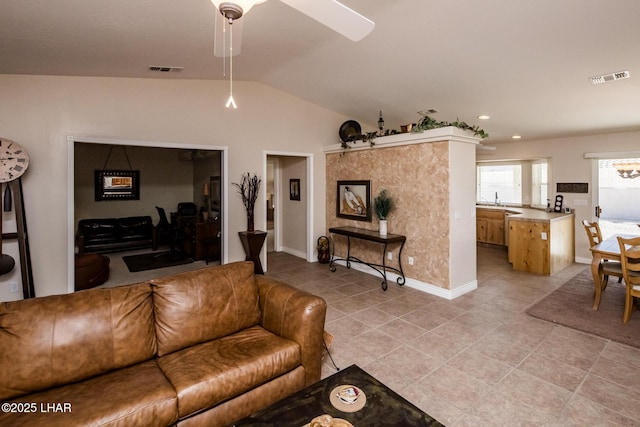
(383, 204)
(365, 138)
(427, 122)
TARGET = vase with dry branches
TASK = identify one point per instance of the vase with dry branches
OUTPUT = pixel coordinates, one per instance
(248, 188)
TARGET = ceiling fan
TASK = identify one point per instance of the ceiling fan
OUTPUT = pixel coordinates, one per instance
(330, 13)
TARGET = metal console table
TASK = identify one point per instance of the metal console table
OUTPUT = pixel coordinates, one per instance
(371, 236)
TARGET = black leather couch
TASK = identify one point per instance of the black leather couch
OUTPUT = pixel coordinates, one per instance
(116, 234)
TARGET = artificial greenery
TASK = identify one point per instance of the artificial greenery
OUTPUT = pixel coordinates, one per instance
(427, 122)
(383, 204)
(248, 188)
(364, 137)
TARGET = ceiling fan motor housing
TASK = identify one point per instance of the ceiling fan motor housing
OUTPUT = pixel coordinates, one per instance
(230, 10)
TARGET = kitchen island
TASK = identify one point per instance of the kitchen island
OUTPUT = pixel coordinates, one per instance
(539, 242)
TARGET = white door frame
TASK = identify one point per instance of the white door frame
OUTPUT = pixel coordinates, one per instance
(71, 140)
(595, 173)
(277, 215)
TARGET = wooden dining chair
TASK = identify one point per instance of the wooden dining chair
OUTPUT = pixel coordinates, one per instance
(630, 260)
(608, 268)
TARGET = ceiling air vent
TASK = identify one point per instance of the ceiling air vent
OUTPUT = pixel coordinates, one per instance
(165, 69)
(609, 77)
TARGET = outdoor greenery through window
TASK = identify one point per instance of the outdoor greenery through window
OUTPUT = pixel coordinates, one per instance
(499, 184)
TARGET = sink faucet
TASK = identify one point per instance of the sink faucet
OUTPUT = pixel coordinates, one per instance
(497, 202)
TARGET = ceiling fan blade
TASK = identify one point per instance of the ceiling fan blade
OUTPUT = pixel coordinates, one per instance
(336, 16)
(221, 40)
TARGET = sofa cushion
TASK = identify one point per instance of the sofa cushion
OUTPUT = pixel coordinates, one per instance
(72, 337)
(135, 227)
(139, 395)
(218, 370)
(250, 402)
(202, 305)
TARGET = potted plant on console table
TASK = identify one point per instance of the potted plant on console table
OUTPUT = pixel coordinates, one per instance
(252, 239)
(383, 204)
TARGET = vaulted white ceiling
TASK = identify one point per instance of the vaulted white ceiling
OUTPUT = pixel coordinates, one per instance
(526, 63)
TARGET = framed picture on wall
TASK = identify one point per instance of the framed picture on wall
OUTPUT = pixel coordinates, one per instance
(117, 185)
(354, 200)
(294, 189)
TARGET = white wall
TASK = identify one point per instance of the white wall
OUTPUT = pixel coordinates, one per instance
(567, 162)
(462, 219)
(40, 112)
(294, 213)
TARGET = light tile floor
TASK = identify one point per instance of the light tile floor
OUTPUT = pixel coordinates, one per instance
(478, 360)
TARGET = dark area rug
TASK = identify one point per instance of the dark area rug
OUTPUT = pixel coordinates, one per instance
(571, 305)
(153, 260)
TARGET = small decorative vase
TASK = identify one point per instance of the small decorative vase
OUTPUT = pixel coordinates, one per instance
(250, 222)
(383, 227)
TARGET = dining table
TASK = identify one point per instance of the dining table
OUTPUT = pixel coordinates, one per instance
(608, 249)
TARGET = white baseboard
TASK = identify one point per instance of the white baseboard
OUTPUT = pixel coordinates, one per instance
(580, 260)
(418, 285)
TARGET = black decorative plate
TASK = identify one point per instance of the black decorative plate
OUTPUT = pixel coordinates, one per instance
(348, 130)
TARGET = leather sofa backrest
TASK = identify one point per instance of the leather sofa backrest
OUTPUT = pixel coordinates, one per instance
(116, 227)
(206, 304)
(59, 339)
(135, 225)
(98, 227)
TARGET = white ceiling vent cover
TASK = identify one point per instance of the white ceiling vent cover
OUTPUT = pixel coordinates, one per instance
(610, 77)
(165, 69)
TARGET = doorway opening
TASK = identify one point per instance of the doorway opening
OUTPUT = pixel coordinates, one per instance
(289, 201)
(618, 196)
(168, 174)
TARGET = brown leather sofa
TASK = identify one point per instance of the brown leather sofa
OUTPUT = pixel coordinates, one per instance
(206, 347)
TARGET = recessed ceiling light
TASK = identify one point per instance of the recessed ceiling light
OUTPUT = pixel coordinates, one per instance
(484, 117)
(516, 137)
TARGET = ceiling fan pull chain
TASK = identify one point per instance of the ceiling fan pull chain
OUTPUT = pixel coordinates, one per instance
(231, 102)
(224, 47)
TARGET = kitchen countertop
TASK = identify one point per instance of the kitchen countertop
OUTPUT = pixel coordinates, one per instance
(527, 214)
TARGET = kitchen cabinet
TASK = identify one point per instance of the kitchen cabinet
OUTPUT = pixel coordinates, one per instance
(541, 243)
(490, 226)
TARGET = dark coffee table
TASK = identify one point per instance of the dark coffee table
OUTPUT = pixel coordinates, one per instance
(383, 406)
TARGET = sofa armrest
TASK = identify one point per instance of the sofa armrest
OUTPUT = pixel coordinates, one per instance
(298, 316)
(81, 244)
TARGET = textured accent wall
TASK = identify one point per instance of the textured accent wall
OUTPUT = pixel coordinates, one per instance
(417, 177)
